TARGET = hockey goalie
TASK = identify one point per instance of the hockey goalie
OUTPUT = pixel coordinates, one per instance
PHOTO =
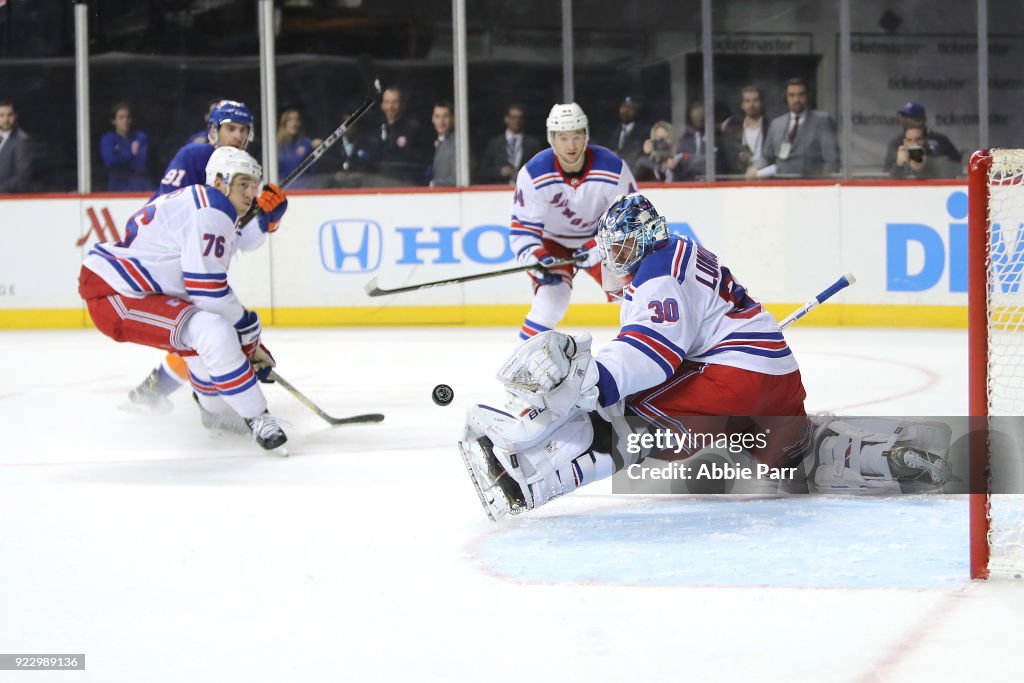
(694, 352)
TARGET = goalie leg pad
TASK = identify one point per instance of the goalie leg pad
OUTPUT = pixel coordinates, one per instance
(880, 454)
(511, 476)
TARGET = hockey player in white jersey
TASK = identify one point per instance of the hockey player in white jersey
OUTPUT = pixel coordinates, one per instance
(695, 355)
(560, 195)
(694, 350)
(231, 124)
(166, 285)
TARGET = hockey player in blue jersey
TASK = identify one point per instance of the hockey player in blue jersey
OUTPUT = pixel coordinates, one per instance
(230, 125)
(560, 195)
(694, 350)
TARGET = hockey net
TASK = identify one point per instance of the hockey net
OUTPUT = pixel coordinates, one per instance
(996, 340)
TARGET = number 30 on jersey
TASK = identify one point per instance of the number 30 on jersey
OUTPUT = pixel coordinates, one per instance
(666, 311)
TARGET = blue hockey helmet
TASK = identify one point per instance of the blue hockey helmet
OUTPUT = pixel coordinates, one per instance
(235, 112)
(630, 230)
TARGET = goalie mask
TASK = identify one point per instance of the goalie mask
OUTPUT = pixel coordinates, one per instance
(629, 230)
(225, 162)
(235, 112)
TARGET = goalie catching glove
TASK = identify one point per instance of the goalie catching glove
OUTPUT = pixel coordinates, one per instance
(520, 463)
(273, 204)
(555, 371)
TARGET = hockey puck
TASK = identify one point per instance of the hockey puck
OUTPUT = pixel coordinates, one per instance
(442, 394)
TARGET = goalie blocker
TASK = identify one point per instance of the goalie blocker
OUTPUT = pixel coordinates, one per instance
(565, 440)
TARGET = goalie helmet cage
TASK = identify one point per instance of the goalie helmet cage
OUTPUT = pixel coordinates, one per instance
(996, 361)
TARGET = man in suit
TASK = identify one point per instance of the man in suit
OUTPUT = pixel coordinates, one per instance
(505, 154)
(15, 152)
(801, 143)
(743, 135)
(627, 140)
(403, 147)
(442, 171)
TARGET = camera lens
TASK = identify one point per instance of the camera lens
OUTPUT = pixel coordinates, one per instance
(916, 154)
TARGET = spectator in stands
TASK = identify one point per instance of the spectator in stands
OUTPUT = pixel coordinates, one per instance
(505, 154)
(15, 152)
(203, 135)
(627, 140)
(125, 153)
(938, 146)
(743, 135)
(358, 155)
(916, 160)
(293, 145)
(801, 143)
(402, 153)
(692, 147)
(658, 162)
(442, 172)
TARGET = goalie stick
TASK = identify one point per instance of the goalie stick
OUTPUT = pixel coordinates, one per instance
(843, 282)
(372, 289)
(312, 157)
(306, 401)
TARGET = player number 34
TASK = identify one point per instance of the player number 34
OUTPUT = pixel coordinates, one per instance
(666, 311)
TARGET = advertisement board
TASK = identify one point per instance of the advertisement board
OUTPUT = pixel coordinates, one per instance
(785, 242)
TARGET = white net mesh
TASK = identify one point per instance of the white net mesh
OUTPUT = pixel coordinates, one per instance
(1005, 268)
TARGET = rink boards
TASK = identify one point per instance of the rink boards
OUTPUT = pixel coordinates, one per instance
(906, 244)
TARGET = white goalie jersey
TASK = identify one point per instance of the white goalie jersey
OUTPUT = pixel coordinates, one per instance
(179, 245)
(550, 205)
(682, 304)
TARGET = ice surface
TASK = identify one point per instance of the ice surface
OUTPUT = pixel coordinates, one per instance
(168, 554)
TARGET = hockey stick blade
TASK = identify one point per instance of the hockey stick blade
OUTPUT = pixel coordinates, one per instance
(372, 289)
(329, 419)
(842, 283)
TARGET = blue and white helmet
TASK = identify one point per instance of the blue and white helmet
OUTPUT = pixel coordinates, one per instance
(235, 112)
(629, 230)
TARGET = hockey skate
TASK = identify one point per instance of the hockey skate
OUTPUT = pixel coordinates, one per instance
(499, 493)
(228, 421)
(267, 432)
(146, 397)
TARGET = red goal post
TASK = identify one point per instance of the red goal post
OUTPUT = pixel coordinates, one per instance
(996, 361)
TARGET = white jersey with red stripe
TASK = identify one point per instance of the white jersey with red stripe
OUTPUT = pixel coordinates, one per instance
(180, 245)
(682, 304)
(551, 205)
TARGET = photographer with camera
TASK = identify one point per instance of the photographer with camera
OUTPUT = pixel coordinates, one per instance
(659, 159)
(944, 157)
(915, 158)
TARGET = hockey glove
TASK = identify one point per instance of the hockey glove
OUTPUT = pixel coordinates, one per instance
(541, 258)
(249, 330)
(588, 255)
(273, 204)
(262, 364)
